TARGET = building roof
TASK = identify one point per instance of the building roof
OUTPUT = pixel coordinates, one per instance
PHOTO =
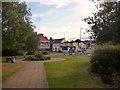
(58, 40)
(42, 38)
(78, 40)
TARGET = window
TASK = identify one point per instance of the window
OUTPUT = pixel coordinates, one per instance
(64, 48)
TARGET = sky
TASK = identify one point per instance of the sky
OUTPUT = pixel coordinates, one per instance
(61, 18)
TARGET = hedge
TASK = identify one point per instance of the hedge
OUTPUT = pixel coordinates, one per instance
(106, 62)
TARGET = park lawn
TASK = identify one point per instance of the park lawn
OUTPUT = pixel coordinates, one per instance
(17, 57)
(8, 69)
(71, 73)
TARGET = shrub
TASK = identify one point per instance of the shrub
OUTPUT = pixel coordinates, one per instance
(30, 57)
(30, 53)
(9, 52)
(45, 52)
(39, 54)
(47, 57)
(60, 51)
(105, 61)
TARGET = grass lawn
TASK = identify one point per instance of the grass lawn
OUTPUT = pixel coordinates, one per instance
(17, 57)
(71, 73)
(9, 69)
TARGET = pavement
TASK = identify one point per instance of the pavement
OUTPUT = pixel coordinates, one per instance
(32, 75)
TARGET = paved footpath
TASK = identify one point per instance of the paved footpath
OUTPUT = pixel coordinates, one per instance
(32, 75)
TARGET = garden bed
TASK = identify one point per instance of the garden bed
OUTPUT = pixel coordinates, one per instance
(37, 59)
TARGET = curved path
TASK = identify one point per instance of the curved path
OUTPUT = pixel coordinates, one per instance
(32, 75)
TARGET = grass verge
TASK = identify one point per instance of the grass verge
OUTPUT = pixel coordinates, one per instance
(17, 57)
(71, 73)
(9, 69)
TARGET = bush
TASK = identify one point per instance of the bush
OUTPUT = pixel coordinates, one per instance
(39, 55)
(47, 57)
(106, 78)
(45, 52)
(30, 53)
(9, 52)
(60, 51)
(105, 61)
(30, 57)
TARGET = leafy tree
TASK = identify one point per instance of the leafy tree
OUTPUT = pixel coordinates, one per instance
(31, 44)
(17, 27)
(9, 17)
(105, 23)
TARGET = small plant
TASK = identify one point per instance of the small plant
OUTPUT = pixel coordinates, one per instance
(45, 52)
(30, 57)
(47, 57)
(39, 55)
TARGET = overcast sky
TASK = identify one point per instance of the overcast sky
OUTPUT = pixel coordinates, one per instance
(61, 18)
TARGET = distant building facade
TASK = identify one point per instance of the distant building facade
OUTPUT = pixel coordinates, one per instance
(44, 43)
(76, 46)
(67, 46)
(57, 44)
(64, 46)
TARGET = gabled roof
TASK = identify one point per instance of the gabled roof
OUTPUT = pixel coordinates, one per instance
(58, 40)
(42, 38)
(78, 40)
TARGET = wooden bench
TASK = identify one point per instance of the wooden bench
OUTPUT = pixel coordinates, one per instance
(9, 59)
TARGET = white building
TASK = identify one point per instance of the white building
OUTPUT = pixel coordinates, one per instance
(82, 45)
(57, 44)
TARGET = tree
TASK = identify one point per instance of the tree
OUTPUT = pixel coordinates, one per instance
(32, 43)
(9, 17)
(17, 27)
(105, 23)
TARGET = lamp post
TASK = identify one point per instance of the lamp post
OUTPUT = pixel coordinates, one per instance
(80, 33)
(80, 38)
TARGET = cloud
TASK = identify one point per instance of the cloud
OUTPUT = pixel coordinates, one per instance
(85, 8)
(36, 15)
(58, 3)
(69, 32)
(64, 22)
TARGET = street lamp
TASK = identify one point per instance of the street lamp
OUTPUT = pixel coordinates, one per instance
(80, 38)
(80, 33)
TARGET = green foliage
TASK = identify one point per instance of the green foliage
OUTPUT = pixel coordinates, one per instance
(39, 54)
(105, 23)
(45, 52)
(10, 52)
(31, 43)
(30, 57)
(17, 29)
(47, 57)
(105, 61)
